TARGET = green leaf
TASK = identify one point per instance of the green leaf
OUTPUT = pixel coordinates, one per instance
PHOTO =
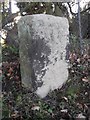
(50, 110)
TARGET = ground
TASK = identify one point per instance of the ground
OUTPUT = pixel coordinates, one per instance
(70, 102)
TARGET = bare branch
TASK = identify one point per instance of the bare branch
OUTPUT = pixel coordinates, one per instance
(77, 13)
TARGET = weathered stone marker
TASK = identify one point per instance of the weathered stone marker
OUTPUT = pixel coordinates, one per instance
(43, 40)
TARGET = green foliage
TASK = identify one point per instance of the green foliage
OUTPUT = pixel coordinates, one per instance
(9, 50)
(13, 49)
(5, 110)
(59, 9)
(74, 43)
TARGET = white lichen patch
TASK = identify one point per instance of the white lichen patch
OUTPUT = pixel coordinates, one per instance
(54, 78)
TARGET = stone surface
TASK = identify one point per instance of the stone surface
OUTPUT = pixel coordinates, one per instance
(43, 41)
